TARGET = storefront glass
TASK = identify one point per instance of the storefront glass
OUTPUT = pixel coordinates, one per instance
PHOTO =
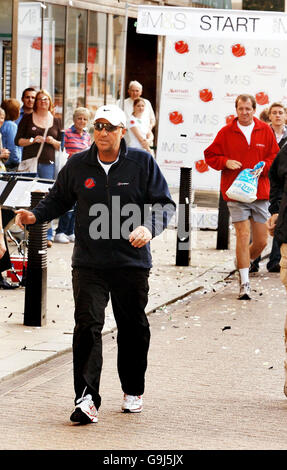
(53, 54)
(264, 5)
(115, 57)
(5, 48)
(96, 70)
(29, 46)
(75, 63)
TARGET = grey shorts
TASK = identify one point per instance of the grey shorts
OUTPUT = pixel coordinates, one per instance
(257, 210)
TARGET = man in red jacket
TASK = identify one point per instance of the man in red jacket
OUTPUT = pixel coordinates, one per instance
(242, 144)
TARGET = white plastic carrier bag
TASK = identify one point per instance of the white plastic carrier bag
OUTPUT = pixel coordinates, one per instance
(244, 187)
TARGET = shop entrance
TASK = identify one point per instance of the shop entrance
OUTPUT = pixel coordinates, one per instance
(141, 61)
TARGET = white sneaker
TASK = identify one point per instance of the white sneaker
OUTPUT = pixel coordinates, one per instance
(71, 238)
(61, 238)
(245, 292)
(85, 411)
(132, 403)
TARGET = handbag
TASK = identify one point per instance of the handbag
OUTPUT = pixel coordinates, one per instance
(244, 187)
(31, 164)
(61, 157)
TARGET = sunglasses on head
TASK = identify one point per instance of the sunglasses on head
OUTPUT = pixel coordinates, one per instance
(99, 126)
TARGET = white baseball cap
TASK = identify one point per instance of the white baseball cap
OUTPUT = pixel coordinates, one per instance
(111, 113)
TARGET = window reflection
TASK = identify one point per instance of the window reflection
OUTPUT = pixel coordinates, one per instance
(29, 46)
(263, 5)
(115, 57)
(75, 64)
(95, 90)
(5, 48)
(53, 54)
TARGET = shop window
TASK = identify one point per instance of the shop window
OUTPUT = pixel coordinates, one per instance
(5, 48)
(75, 62)
(29, 46)
(264, 5)
(115, 57)
(53, 54)
(96, 59)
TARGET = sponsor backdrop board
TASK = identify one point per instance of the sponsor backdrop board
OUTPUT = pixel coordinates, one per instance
(221, 55)
(201, 81)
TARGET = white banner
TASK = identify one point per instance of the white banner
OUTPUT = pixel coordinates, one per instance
(201, 80)
(204, 23)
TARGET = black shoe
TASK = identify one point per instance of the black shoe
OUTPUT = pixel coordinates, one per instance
(5, 285)
(275, 269)
(253, 268)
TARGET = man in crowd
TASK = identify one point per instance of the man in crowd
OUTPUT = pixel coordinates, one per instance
(242, 144)
(277, 223)
(277, 118)
(135, 90)
(111, 254)
(28, 100)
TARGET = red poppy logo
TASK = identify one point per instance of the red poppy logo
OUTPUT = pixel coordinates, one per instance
(201, 166)
(175, 117)
(90, 183)
(181, 47)
(132, 122)
(262, 98)
(238, 50)
(229, 118)
(205, 95)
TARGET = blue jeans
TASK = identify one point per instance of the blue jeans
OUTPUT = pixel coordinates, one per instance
(47, 171)
(66, 223)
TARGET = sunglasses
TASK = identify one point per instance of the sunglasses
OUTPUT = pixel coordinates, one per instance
(99, 126)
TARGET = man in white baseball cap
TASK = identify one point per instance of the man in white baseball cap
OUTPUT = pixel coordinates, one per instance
(109, 178)
(111, 113)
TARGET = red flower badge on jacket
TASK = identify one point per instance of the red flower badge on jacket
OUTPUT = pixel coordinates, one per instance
(90, 183)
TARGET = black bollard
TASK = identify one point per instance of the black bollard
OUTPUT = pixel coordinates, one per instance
(223, 225)
(183, 227)
(36, 276)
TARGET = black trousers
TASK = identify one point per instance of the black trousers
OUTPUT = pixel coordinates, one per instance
(128, 288)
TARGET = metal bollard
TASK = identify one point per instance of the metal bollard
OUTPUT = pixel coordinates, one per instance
(36, 277)
(183, 229)
(223, 225)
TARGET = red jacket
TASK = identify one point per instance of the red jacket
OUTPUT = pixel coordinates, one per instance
(231, 144)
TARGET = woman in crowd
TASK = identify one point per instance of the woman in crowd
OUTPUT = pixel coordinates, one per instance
(4, 153)
(139, 128)
(10, 110)
(76, 140)
(30, 135)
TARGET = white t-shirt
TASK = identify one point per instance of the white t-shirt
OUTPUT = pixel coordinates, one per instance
(129, 108)
(143, 127)
(107, 166)
(247, 130)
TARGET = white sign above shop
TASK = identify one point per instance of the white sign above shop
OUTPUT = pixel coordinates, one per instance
(211, 56)
(203, 23)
